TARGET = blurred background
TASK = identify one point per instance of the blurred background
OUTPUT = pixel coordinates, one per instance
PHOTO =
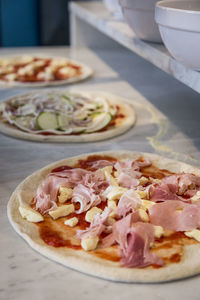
(34, 23)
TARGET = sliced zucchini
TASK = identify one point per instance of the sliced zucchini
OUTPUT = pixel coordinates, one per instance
(64, 124)
(63, 121)
(99, 121)
(24, 122)
(47, 120)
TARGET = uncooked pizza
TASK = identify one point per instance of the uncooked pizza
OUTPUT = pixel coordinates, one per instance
(65, 116)
(122, 216)
(40, 70)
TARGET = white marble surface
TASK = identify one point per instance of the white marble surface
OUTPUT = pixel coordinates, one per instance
(165, 108)
(95, 14)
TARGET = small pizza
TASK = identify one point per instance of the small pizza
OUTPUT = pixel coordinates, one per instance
(122, 216)
(65, 116)
(29, 70)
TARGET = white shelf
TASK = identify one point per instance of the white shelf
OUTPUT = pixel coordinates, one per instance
(95, 14)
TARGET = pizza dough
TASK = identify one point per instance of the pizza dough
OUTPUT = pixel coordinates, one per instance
(85, 72)
(85, 261)
(121, 126)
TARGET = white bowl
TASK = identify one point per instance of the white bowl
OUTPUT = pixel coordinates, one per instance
(139, 14)
(179, 25)
(114, 7)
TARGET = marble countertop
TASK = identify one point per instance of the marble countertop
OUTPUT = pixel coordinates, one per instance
(167, 124)
(96, 14)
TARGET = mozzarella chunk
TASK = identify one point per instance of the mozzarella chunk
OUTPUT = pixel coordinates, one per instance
(158, 231)
(89, 244)
(113, 206)
(107, 174)
(143, 215)
(11, 76)
(143, 180)
(146, 204)
(61, 211)
(30, 214)
(67, 71)
(65, 194)
(92, 213)
(196, 197)
(154, 180)
(115, 192)
(71, 222)
(195, 234)
(142, 194)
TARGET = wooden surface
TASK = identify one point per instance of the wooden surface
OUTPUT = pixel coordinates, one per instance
(167, 124)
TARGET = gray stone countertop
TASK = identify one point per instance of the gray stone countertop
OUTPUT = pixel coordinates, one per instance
(167, 124)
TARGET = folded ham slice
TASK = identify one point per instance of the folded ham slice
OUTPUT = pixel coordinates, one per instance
(134, 239)
(175, 187)
(175, 215)
(97, 225)
(86, 198)
(128, 203)
(129, 172)
(88, 188)
(46, 195)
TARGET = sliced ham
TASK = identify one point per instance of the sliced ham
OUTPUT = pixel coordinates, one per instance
(97, 225)
(175, 215)
(88, 188)
(134, 239)
(128, 203)
(129, 172)
(163, 192)
(99, 164)
(85, 197)
(175, 187)
(46, 195)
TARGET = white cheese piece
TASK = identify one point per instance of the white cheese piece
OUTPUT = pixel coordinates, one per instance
(146, 204)
(196, 197)
(158, 231)
(107, 174)
(65, 194)
(89, 244)
(115, 192)
(30, 214)
(25, 59)
(62, 211)
(195, 234)
(68, 71)
(143, 215)
(113, 206)
(154, 180)
(11, 76)
(142, 194)
(143, 180)
(71, 222)
(92, 213)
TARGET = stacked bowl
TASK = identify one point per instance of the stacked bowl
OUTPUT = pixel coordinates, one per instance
(179, 24)
(139, 14)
